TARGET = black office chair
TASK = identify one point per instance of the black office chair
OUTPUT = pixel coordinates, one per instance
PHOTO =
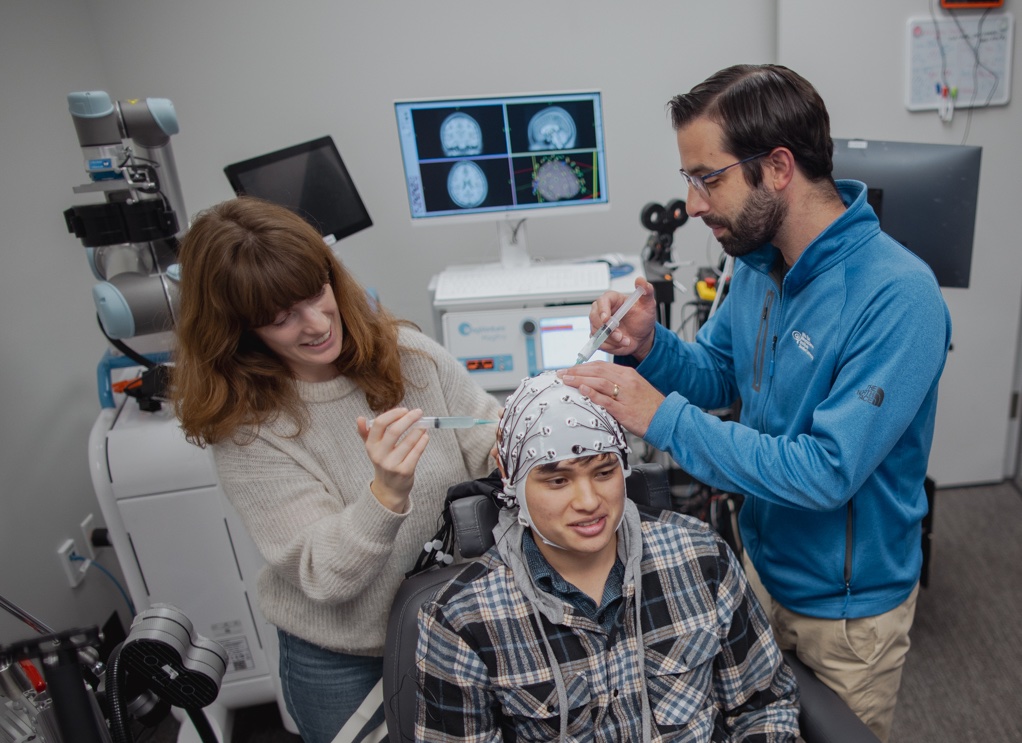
(824, 717)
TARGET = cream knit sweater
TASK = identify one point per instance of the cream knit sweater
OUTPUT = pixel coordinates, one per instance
(334, 554)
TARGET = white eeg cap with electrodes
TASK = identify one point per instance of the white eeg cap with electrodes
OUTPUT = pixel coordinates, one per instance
(547, 421)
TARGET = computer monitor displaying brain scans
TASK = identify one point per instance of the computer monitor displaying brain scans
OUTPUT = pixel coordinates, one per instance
(500, 155)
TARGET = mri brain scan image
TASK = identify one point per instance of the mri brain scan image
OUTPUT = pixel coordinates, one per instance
(555, 180)
(467, 184)
(551, 129)
(460, 135)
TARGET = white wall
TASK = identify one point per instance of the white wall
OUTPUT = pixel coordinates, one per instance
(859, 71)
(250, 77)
(49, 343)
(247, 77)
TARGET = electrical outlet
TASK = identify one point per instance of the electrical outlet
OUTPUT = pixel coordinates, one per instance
(74, 570)
(87, 537)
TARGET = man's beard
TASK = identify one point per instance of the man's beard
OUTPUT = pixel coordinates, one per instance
(757, 224)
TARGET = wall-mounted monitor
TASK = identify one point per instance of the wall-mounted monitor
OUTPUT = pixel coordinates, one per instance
(309, 178)
(925, 196)
(503, 159)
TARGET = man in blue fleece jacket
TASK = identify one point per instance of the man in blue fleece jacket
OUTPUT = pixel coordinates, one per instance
(833, 336)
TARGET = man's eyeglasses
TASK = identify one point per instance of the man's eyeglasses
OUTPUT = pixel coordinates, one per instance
(698, 182)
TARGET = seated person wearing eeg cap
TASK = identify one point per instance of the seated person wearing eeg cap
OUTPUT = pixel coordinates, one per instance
(537, 641)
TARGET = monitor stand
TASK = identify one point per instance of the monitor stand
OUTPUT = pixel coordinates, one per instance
(514, 252)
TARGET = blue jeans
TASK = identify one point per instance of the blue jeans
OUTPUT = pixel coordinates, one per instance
(323, 688)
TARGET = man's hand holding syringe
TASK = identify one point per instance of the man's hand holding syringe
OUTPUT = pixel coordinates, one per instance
(624, 325)
(620, 329)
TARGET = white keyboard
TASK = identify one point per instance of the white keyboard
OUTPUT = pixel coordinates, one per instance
(572, 282)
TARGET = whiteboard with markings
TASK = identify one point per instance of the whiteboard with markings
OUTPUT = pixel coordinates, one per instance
(970, 53)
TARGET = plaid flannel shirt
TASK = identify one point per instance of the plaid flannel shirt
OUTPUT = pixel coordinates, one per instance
(712, 670)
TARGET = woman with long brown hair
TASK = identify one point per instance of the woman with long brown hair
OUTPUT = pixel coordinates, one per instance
(281, 360)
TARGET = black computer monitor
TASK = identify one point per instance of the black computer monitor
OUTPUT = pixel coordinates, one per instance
(925, 196)
(503, 158)
(309, 178)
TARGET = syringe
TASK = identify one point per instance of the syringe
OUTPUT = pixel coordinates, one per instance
(607, 328)
(446, 421)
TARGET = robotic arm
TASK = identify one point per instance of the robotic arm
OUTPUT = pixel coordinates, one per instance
(131, 238)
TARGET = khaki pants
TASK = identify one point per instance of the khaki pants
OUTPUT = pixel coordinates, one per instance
(860, 659)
